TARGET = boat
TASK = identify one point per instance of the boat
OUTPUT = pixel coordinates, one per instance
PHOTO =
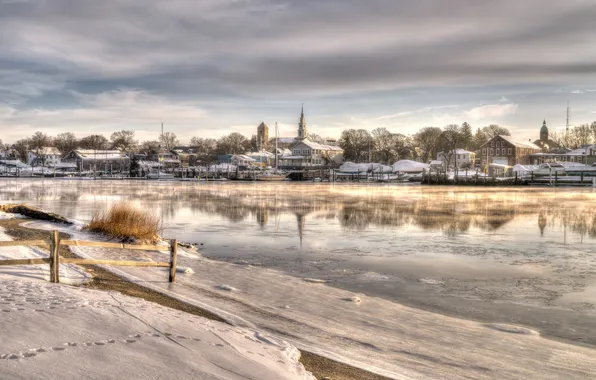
(271, 176)
(549, 168)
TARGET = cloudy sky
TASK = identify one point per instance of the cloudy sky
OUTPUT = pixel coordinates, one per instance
(208, 68)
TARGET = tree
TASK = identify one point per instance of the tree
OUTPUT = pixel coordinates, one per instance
(234, 143)
(494, 130)
(316, 138)
(148, 147)
(124, 141)
(168, 140)
(204, 148)
(452, 138)
(428, 139)
(467, 136)
(39, 140)
(21, 148)
(356, 144)
(66, 142)
(478, 140)
(94, 142)
(593, 129)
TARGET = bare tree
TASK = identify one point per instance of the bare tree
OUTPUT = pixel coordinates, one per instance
(94, 142)
(452, 138)
(234, 143)
(148, 147)
(39, 140)
(494, 130)
(65, 142)
(168, 140)
(428, 139)
(124, 141)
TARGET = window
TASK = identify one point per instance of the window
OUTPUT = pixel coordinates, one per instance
(492, 152)
(502, 144)
(509, 151)
(483, 151)
(492, 144)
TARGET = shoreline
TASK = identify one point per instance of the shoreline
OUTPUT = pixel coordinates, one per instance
(102, 279)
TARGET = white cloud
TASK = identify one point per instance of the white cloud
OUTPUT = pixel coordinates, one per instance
(504, 100)
(491, 111)
(577, 92)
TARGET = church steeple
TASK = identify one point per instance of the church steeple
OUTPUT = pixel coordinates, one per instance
(302, 132)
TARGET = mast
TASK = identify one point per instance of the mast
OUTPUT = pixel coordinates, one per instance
(567, 124)
(276, 145)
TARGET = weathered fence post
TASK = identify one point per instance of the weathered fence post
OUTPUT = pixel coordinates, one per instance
(54, 257)
(173, 256)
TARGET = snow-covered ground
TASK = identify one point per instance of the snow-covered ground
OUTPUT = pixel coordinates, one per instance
(56, 331)
(372, 333)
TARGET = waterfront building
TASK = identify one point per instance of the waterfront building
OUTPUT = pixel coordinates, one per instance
(241, 161)
(458, 157)
(46, 156)
(306, 153)
(505, 150)
(103, 160)
(544, 142)
(585, 155)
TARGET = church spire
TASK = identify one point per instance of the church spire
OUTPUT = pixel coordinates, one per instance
(302, 132)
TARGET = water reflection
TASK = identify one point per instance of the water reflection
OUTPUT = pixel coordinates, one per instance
(451, 211)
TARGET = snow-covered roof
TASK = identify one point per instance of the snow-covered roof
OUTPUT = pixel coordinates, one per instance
(314, 145)
(409, 166)
(99, 154)
(46, 151)
(351, 167)
(242, 157)
(520, 143)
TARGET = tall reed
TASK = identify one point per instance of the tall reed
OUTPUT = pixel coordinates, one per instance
(125, 221)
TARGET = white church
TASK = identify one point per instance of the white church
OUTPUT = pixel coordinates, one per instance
(306, 153)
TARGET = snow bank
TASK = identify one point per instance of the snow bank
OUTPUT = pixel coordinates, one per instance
(353, 168)
(409, 166)
(106, 335)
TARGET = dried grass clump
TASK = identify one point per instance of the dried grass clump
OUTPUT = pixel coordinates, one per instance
(125, 221)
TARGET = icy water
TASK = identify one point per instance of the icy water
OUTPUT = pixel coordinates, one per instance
(523, 255)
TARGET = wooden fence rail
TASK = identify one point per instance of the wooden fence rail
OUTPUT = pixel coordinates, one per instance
(55, 259)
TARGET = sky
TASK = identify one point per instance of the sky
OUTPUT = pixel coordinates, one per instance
(209, 68)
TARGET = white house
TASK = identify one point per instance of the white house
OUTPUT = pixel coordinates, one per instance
(460, 157)
(306, 153)
(309, 153)
(46, 156)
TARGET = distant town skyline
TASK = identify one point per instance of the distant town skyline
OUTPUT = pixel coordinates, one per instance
(209, 68)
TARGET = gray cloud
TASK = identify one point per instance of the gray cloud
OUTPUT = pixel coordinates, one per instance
(227, 52)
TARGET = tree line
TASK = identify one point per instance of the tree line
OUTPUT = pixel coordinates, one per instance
(359, 145)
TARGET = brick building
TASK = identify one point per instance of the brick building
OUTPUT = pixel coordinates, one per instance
(505, 150)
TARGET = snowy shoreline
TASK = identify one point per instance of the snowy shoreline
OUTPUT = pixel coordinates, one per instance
(61, 331)
(394, 342)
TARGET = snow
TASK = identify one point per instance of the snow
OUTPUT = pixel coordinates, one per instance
(351, 167)
(392, 340)
(56, 331)
(409, 166)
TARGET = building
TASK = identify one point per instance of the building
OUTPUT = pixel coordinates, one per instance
(544, 142)
(107, 161)
(505, 150)
(585, 155)
(302, 131)
(241, 161)
(46, 156)
(262, 135)
(460, 157)
(306, 153)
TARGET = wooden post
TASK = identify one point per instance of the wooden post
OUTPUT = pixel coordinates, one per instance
(54, 257)
(173, 256)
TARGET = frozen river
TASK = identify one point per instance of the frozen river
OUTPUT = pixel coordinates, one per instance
(514, 255)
